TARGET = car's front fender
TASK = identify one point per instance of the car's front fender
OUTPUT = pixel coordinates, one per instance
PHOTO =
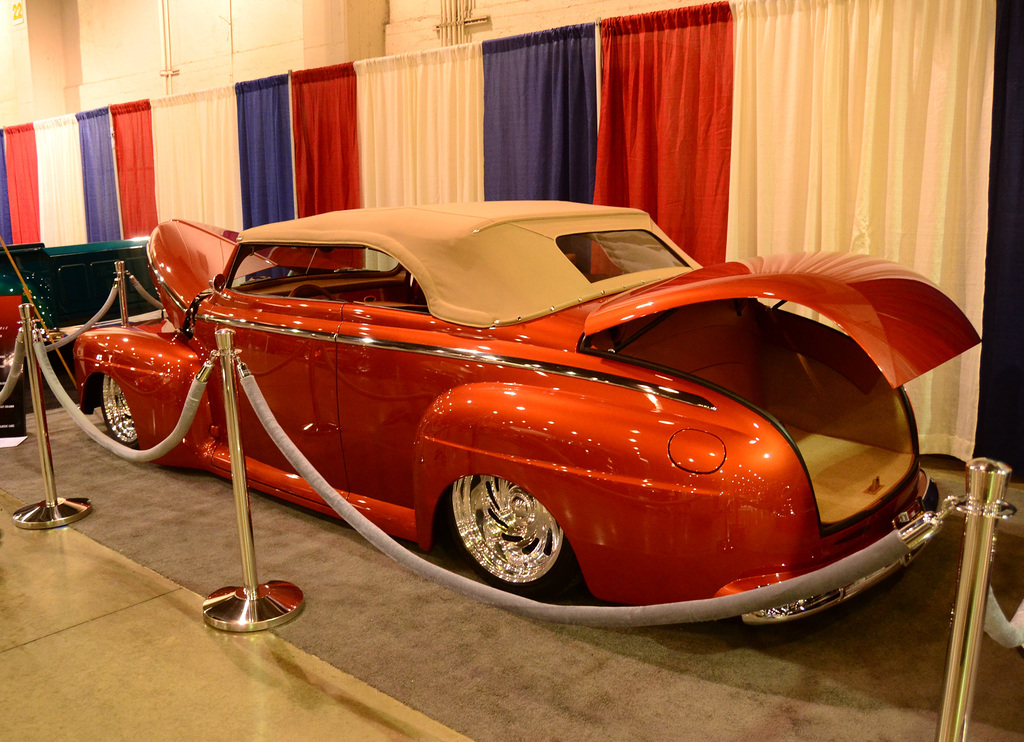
(154, 370)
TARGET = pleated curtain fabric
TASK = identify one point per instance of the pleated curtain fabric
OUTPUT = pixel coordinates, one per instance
(666, 116)
(325, 139)
(136, 179)
(421, 127)
(195, 154)
(99, 176)
(1001, 405)
(864, 126)
(22, 182)
(540, 115)
(61, 195)
(5, 209)
(265, 150)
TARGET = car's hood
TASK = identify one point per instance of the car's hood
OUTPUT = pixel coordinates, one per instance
(904, 323)
(184, 257)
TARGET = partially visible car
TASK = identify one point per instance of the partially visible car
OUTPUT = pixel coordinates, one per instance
(41, 295)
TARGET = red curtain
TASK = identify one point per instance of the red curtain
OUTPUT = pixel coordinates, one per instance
(22, 182)
(136, 179)
(326, 143)
(666, 122)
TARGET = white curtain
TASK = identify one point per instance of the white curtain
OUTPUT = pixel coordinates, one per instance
(864, 126)
(421, 127)
(195, 153)
(61, 194)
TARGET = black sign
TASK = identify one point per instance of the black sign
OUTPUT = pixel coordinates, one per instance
(12, 411)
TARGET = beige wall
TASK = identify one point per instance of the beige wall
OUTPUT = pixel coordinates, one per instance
(412, 21)
(32, 66)
(73, 55)
(15, 70)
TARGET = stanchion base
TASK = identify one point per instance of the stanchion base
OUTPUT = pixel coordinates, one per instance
(41, 515)
(228, 609)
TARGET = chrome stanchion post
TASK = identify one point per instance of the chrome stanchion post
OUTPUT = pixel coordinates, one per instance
(53, 511)
(122, 291)
(251, 607)
(984, 507)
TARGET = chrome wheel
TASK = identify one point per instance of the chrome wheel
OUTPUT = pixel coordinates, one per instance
(117, 415)
(505, 530)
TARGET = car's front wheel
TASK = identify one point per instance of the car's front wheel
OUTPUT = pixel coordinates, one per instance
(117, 416)
(511, 538)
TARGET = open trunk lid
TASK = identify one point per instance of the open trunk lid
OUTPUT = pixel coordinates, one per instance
(905, 324)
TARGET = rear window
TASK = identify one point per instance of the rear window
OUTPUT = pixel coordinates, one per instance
(602, 255)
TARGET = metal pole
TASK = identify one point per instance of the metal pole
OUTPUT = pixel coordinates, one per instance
(53, 511)
(239, 478)
(251, 607)
(122, 291)
(986, 484)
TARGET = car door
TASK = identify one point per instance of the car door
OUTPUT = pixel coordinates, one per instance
(287, 343)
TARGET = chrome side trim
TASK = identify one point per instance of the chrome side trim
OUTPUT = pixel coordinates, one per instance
(267, 327)
(467, 354)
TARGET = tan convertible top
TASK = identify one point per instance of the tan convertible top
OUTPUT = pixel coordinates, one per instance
(480, 264)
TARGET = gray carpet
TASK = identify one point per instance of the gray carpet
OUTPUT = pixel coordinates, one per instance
(868, 670)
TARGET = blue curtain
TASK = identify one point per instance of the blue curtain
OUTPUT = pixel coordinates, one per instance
(540, 115)
(1001, 406)
(265, 150)
(99, 181)
(5, 207)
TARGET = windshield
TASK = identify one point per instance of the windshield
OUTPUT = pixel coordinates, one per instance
(602, 255)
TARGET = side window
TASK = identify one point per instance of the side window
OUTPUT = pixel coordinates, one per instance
(266, 265)
(353, 273)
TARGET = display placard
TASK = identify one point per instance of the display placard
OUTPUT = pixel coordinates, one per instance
(12, 411)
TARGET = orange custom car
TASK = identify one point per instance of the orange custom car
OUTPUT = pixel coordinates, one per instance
(557, 386)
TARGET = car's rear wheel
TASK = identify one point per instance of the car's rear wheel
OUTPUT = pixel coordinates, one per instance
(511, 538)
(117, 416)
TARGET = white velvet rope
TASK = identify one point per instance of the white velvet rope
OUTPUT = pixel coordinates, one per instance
(1006, 632)
(881, 554)
(16, 365)
(72, 337)
(143, 293)
(188, 413)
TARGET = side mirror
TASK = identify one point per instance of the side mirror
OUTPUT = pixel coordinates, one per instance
(218, 282)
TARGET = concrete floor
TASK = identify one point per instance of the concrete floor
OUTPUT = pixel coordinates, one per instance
(95, 647)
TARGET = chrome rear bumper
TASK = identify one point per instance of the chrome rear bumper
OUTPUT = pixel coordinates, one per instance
(915, 534)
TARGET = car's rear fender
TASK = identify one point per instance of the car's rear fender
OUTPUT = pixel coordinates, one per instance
(154, 370)
(642, 528)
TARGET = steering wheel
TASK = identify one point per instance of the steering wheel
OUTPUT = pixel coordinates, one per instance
(309, 290)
